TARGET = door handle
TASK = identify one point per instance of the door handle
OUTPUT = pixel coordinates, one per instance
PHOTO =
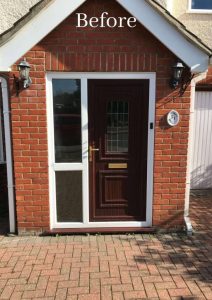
(91, 150)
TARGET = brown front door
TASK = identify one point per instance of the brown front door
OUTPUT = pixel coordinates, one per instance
(118, 127)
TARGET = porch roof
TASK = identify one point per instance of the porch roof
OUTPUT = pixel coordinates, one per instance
(28, 31)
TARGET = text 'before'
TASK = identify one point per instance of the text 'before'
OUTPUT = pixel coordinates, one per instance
(105, 21)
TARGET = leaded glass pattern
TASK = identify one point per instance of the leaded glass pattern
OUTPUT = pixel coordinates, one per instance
(117, 126)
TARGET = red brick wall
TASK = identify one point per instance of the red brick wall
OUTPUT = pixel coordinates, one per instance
(70, 49)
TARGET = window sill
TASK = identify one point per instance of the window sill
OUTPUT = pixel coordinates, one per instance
(199, 11)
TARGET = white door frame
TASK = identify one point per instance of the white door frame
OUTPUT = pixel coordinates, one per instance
(84, 165)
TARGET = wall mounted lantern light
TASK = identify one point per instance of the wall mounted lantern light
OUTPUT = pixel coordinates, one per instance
(177, 74)
(180, 78)
(24, 81)
(23, 68)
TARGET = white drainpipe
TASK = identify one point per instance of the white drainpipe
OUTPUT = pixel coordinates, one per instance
(10, 184)
(190, 152)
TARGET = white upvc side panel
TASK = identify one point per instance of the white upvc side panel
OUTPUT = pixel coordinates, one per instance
(201, 167)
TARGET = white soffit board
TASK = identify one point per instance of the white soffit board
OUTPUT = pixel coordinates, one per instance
(35, 30)
(52, 15)
(154, 22)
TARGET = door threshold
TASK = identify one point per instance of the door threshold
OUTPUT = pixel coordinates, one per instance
(102, 230)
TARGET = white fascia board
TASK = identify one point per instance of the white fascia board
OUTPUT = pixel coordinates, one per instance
(154, 22)
(35, 30)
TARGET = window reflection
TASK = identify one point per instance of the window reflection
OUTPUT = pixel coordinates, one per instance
(200, 4)
(67, 120)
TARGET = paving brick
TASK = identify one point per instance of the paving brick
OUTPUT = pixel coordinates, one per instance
(125, 277)
(165, 285)
(118, 296)
(150, 290)
(72, 297)
(89, 297)
(33, 294)
(7, 292)
(193, 287)
(179, 292)
(122, 287)
(137, 284)
(68, 284)
(110, 281)
(106, 292)
(51, 289)
(42, 282)
(100, 275)
(78, 290)
(16, 296)
(27, 287)
(163, 294)
(84, 279)
(152, 278)
(135, 295)
(61, 294)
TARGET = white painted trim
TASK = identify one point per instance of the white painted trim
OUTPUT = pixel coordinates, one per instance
(168, 34)
(101, 75)
(68, 166)
(85, 145)
(197, 11)
(99, 225)
(190, 150)
(9, 161)
(50, 121)
(84, 166)
(57, 10)
(150, 153)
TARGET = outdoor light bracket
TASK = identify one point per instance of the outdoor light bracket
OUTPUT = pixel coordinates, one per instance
(24, 80)
(176, 78)
(180, 79)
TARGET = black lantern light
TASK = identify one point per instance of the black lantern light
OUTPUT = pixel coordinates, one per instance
(24, 68)
(177, 74)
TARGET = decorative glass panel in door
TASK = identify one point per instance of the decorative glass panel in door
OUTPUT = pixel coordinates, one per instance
(117, 126)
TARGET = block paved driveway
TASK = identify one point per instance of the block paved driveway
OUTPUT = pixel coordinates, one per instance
(111, 266)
